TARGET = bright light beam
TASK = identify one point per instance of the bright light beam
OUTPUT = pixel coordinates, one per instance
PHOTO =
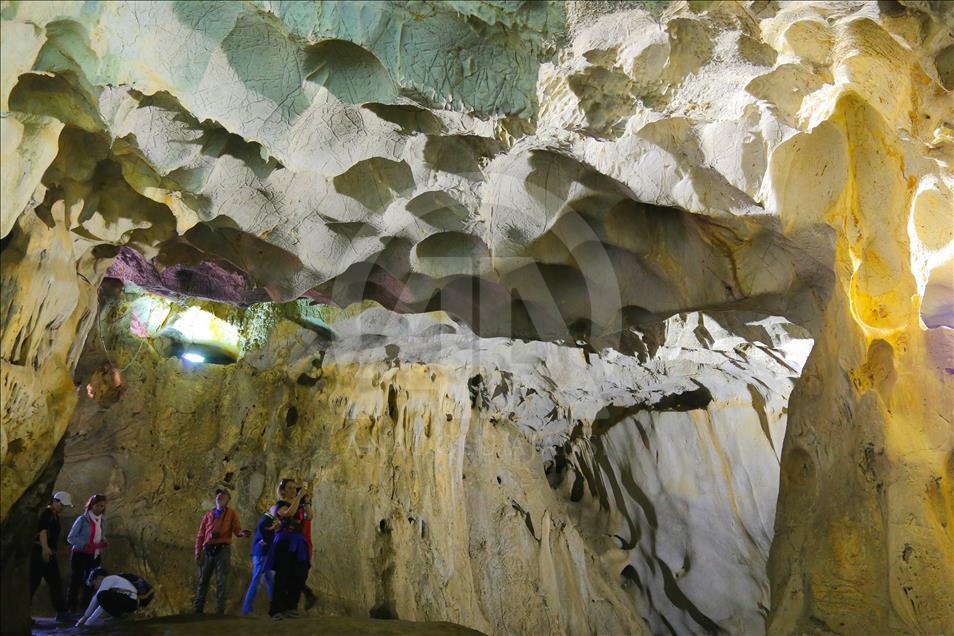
(193, 357)
(200, 328)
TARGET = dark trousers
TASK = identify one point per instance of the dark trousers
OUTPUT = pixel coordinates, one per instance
(50, 571)
(81, 564)
(290, 577)
(116, 603)
(219, 563)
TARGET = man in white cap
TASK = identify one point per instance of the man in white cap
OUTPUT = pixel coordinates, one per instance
(43, 561)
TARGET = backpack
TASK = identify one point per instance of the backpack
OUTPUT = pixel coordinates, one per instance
(143, 588)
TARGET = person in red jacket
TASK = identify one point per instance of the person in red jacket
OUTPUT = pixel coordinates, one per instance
(212, 550)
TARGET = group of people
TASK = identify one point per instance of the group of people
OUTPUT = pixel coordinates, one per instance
(100, 592)
(281, 552)
(281, 557)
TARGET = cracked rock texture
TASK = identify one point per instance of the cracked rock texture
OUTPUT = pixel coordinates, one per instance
(513, 487)
(552, 172)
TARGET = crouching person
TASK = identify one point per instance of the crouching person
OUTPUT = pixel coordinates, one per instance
(115, 594)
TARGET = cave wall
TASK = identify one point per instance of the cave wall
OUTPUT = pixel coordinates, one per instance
(513, 487)
(547, 171)
(868, 458)
(48, 306)
(16, 539)
(875, 477)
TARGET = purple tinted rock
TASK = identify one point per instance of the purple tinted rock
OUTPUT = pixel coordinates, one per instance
(130, 266)
(206, 279)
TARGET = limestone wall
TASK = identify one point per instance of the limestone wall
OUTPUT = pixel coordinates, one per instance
(509, 486)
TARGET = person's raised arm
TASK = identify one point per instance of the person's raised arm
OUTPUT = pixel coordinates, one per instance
(293, 506)
(306, 499)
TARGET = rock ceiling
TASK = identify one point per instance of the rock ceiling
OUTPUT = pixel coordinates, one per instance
(322, 147)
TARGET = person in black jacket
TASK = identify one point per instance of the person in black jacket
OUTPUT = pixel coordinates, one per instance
(264, 535)
(43, 561)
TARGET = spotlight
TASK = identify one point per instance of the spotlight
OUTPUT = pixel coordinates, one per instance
(193, 357)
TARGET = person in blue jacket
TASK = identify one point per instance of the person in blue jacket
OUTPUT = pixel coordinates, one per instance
(264, 536)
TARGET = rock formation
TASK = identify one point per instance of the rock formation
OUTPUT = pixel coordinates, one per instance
(504, 485)
(561, 176)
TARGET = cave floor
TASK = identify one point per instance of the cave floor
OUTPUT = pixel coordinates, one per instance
(190, 624)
